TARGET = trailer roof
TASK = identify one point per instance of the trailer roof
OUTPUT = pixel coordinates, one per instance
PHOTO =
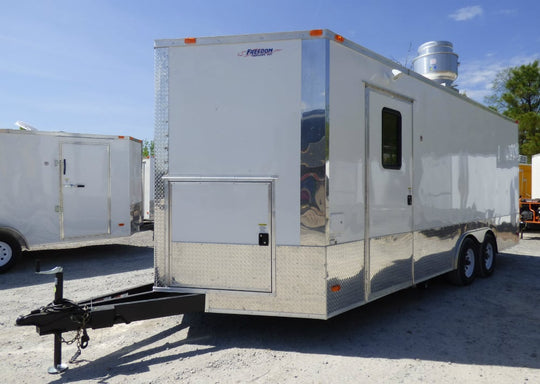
(313, 34)
(67, 134)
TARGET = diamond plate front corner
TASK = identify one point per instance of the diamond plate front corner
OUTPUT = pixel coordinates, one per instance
(161, 134)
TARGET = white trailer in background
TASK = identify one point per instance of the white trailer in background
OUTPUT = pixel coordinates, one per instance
(64, 187)
(300, 174)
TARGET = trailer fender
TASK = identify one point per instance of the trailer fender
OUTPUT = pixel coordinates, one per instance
(16, 235)
(478, 235)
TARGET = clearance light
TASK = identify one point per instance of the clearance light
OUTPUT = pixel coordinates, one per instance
(316, 32)
(339, 38)
(121, 224)
(121, 137)
(335, 288)
(190, 40)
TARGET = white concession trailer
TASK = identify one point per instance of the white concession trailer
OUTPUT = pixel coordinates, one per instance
(64, 187)
(300, 174)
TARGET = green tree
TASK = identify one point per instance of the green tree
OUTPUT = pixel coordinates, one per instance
(516, 93)
(495, 101)
(148, 148)
(529, 133)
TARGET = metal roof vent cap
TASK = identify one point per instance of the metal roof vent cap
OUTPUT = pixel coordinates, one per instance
(437, 61)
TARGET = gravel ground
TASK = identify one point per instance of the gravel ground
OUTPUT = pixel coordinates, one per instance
(488, 332)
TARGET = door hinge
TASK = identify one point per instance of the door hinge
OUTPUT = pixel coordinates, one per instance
(58, 209)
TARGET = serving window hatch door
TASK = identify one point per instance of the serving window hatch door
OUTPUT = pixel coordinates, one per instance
(221, 235)
(84, 190)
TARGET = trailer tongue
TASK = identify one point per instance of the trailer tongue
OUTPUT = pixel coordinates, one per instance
(123, 307)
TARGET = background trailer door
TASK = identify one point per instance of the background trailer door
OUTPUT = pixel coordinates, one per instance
(85, 176)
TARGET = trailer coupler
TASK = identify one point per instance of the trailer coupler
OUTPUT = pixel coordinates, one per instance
(139, 303)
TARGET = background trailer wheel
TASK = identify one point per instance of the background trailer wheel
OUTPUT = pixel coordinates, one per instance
(488, 256)
(467, 261)
(10, 251)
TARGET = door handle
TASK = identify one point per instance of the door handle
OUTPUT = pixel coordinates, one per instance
(409, 199)
(65, 166)
(264, 239)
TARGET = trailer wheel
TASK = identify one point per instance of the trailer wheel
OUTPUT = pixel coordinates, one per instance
(467, 259)
(10, 250)
(488, 256)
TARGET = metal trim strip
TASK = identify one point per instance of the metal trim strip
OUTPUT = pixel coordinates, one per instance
(314, 131)
(242, 179)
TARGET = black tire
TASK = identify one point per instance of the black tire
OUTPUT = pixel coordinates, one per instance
(488, 256)
(10, 251)
(467, 262)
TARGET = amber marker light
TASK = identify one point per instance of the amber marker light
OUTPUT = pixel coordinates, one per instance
(316, 32)
(190, 40)
(335, 288)
(121, 224)
(339, 38)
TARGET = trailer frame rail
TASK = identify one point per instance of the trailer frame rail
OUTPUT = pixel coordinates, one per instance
(122, 307)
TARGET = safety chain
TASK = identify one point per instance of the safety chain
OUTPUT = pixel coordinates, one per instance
(81, 317)
(81, 336)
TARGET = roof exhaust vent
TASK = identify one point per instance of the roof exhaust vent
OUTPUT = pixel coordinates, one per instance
(437, 61)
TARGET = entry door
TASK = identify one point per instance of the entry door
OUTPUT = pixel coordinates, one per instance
(84, 190)
(389, 192)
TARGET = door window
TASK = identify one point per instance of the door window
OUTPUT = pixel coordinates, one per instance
(391, 139)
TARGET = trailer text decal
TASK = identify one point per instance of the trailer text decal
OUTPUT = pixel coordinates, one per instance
(258, 52)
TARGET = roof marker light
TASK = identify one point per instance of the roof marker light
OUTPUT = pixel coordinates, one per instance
(316, 32)
(190, 40)
(339, 38)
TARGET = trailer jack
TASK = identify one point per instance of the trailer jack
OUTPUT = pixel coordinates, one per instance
(138, 303)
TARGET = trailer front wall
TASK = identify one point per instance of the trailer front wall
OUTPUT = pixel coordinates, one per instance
(237, 116)
(271, 129)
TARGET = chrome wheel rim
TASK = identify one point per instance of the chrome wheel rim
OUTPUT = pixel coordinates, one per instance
(489, 256)
(5, 253)
(469, 263)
